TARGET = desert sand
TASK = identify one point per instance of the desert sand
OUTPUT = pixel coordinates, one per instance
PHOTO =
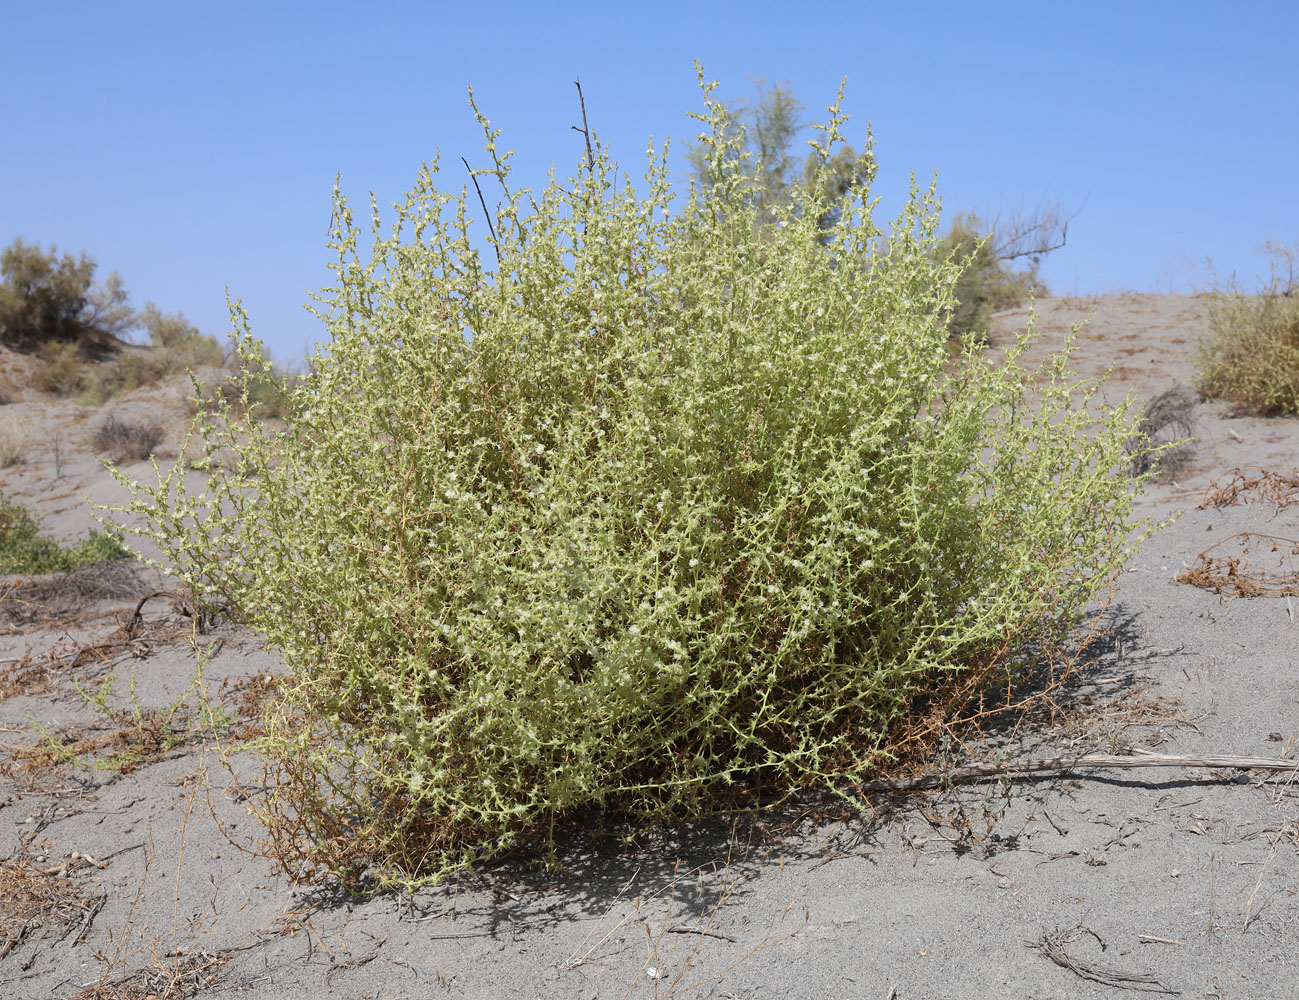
(132, 881)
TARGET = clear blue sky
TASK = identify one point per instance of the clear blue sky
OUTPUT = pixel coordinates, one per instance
(193, 146)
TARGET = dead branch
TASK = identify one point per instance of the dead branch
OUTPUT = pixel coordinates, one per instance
(1068, 765)
(1030, 234)
(585, 129)
(486, 214)
(1052, 945)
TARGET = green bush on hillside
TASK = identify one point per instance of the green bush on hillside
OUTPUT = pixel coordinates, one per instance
(23, 549)
(654, 515)
(1252, 356)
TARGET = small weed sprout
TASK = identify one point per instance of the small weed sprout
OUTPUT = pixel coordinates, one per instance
(649, 513)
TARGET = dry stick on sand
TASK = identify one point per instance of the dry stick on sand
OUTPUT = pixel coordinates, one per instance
(1052, 945)
(1068, 765)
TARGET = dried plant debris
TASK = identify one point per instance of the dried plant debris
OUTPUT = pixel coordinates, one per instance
(40, 897)
(1253, 484)
(42, 598)
(1168, 423)
(1054, 944)
(1240, 574)
(174, 976)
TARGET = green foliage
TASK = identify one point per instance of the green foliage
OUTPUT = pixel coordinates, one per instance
(61, 372)
(760, 139)
(986, 283)
(186, 344)
(24, 550)
(668, 513)
(1252, 357)
(45, 299)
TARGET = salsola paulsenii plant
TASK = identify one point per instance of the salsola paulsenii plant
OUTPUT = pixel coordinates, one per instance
(655, 511)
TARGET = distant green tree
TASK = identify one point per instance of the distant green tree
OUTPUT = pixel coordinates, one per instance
(764, 133)
(765, 130)
(45, 299)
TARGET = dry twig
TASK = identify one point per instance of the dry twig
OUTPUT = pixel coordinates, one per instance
(1069, 765)
(1052, 944)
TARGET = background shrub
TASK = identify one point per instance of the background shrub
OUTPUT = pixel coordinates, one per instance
(16, 437)
(46, 299)
(1164, 443)
(23, 549)
(50, 305)
(127, 441)
(667, 512)
(1251, 357)
(987, 282)
(62, 371)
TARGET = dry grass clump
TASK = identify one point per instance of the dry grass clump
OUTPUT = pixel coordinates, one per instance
(1252, 483)
(1239, 573)
(1252, 359)
(44, 597)
(1222, 570)
(61, 370)
(17, 434)
(127, 441)
(1164, 440)
(65, 373)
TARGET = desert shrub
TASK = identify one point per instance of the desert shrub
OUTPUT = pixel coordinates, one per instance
(655, 517)
(188, 346)
(62, 371)
(127, 441)
(23, 549)
(1251, 357)
(17, 435)
(174, 347)
(134, 368)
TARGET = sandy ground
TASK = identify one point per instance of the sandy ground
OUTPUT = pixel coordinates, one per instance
(130, 881)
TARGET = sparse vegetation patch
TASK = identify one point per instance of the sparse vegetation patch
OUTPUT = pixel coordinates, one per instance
(17, 435)
(23, 549)
(1251, 358)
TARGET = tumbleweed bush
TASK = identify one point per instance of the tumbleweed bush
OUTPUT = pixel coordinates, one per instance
(654, 514)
